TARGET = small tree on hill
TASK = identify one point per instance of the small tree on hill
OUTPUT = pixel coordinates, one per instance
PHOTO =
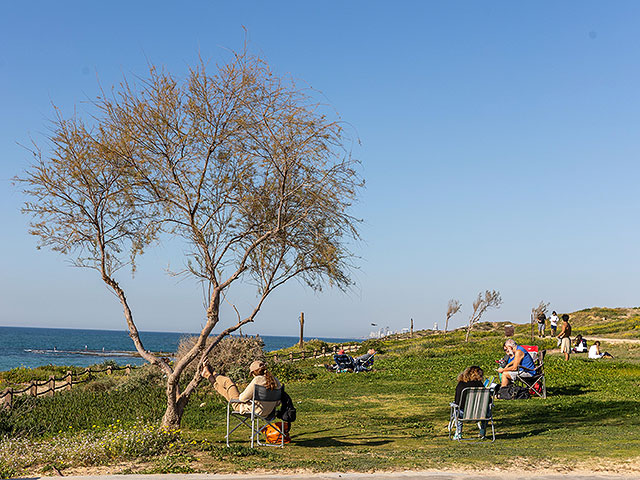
(490, 299)
(240, 166)
(453, 308)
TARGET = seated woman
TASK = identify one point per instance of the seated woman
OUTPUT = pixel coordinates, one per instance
(594, 352)
(471, 377)
(580, 345)
(225, 387)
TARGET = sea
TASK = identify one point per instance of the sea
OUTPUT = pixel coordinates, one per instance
(33, 347)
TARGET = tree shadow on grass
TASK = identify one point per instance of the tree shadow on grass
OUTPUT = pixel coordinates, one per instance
(541, 417)
(333, 441)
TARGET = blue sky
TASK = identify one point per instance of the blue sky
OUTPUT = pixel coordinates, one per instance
(499, 145)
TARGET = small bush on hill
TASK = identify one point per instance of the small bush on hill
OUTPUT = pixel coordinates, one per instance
(288, 372)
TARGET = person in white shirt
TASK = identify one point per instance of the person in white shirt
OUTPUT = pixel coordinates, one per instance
(553, 321)
(594, 352)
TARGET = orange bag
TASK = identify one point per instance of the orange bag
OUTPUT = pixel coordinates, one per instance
(274, 436)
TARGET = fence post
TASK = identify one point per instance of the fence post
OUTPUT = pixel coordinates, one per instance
(109, 370)
(291, 356)
(88, 372)
(8, 398)
(33, 388)
(69, 380)
(324, 351)
(315, 354)
(304, 354)
(127, 370)
(52, 385)
(275, 357)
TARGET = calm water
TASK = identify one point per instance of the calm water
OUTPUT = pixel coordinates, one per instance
(31, 347)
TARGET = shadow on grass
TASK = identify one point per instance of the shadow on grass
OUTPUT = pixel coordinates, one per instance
(568, 390)
(536, 418)
(334, 441)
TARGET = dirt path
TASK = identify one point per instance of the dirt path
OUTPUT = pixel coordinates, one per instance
(428, 475)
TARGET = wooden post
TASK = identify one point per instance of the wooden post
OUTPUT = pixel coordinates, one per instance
(109, 370)
(69, 379)
(275, 357)
(8, 398)
(315, 354)
(88, 372)
(303, 354)
(301, 329)
(33, 388)
(324, 351)
(127, 370)
(411, 335)
(291, 356)
(52, 385)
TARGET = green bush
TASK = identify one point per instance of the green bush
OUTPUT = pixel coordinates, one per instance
(288, 372)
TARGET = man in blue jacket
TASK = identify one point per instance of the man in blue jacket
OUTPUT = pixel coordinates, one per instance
(520, 363)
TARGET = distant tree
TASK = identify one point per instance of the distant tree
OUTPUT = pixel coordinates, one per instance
(239, 166)
(490, 299)
(453, 308)
(540, 311)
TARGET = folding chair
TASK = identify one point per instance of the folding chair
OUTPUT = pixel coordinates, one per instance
(344, 362)
(252, 419)
(363, 366)
(478, 406)
(536, 383)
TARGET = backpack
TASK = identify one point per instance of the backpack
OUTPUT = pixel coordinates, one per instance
(273, 436)
(287, 411)
(513, 392)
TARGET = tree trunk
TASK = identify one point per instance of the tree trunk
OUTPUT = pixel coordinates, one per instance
(175, 407)
(446, 325)
(466, 338)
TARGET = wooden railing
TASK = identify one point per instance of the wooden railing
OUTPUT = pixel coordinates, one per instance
(304, 354)
(49, 387)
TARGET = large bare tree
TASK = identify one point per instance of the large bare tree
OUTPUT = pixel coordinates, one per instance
(486, 300)
(240, 165)
(452, 308)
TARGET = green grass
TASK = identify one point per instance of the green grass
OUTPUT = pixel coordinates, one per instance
(392, 418)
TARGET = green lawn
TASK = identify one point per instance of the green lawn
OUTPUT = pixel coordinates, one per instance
(392, 418)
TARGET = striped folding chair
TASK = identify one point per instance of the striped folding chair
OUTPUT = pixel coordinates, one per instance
(477, 407)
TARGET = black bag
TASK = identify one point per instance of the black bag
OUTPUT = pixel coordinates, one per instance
(287, 411)
(513, 392)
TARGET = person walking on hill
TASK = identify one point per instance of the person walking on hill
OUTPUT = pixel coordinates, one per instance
(542, 320)
(553, 323)
(565, 336)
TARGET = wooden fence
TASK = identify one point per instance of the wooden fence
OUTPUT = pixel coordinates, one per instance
(49, 387)
(304, 354)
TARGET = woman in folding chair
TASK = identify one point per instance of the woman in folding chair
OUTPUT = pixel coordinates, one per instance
(471, 377)
(225, 387)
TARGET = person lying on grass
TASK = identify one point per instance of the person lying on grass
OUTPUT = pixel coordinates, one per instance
(228, 389)
(520, 363)
(471, 377)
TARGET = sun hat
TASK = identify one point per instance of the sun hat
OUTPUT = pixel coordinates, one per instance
(341, 352)
(257, 365)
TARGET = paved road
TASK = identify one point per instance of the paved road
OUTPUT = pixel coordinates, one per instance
(428, 475)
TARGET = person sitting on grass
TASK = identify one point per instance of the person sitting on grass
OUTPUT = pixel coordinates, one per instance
(471, 377)
(594, 352)
(520, 363)
(580, 344)
(228, 389)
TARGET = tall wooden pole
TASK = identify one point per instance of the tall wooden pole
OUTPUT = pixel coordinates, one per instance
(301, 329)
(412, 328)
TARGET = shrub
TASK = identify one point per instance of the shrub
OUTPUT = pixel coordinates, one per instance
(288, 372)
(231, 357)
(377, 345)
